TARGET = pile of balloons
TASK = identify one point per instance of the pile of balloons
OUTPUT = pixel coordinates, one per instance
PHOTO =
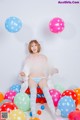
(16, 103)
(69, 102)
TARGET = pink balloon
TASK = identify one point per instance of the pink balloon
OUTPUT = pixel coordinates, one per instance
(56, 25)
(74, 115)
(10, 95)
(56, 95)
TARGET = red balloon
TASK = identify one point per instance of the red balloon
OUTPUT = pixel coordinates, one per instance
(75, 115)
(8, 106)
(70, 93)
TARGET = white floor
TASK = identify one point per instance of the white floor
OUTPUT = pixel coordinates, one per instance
(46, 115)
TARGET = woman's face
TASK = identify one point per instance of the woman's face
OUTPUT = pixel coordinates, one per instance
(34, 47)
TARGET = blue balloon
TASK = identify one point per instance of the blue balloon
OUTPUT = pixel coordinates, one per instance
(13, 24)
(66, 105)
(16, 88)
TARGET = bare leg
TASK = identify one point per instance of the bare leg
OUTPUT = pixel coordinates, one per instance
(33, 91)
(44, 87)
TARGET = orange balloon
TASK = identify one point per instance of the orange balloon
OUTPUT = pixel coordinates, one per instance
(1, 97)
(77, 90)
(34, 119)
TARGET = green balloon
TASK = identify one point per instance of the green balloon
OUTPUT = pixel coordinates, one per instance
(59, 87)
(22, 101)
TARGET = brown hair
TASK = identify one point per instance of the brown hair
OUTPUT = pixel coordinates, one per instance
(37, 43)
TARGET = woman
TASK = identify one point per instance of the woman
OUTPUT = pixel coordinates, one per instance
(36, 70)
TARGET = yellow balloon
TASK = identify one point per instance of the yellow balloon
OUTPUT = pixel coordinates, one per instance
(16, 115)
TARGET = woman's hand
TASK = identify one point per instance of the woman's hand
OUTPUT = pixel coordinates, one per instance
(21, 76)
(54, 71)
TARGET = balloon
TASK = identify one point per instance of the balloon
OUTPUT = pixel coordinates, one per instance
(77, 91)
(8, 106)
(10, 95)
(70, 93)
(56, 25)
(22, 101)
(66, 105)
(59, 87)
(4, 101)
(34, 118)
(15, 88)
(75, 115)
(13, 24)
(1, 97)
(78, 107)
(56, 95)
(17, 115)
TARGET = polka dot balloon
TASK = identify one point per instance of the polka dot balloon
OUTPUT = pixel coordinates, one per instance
(8, 106)
(17, 115)
(70, 93)
(56, 25)
(10, 95)
(56, 95)
(13, 24)
(22, 101)
(77, 91)
(66, 105)
(75, 115)
(16, 88)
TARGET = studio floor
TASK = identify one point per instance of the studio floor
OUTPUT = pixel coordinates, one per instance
(45, 115)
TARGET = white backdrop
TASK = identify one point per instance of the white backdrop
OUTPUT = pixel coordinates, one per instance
(63, 50)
